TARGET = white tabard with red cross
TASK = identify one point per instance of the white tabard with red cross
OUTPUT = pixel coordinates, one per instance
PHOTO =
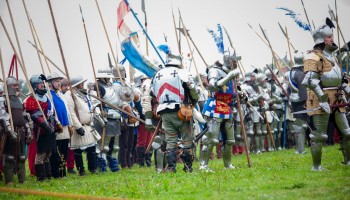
(167, 87)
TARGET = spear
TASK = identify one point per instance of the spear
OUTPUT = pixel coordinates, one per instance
(16, 36)
(267, 45)
(278, 82)
(37, 38)
(185, 32)
(46, 58)
(241, 68)
(109, 43)
(22, 67)
(270, 46)
(177, 36)
(62, 55)
(337, 20)
(285, 33)
(307, 18)
(234, 84)
(94, 72)
(3, 138)
(189, 47)
(31, 29)
(143, 8)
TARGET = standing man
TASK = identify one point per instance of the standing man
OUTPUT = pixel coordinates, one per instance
(14, 155)
(218, 109)
(58, 158)
(326, 87)
(44, 131)
(84, 137)
(173, 89)
(298, 99)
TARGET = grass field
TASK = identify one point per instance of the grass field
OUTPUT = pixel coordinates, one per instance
(274, 175)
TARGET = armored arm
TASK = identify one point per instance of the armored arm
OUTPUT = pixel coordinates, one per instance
(231, 75)
(28, 125)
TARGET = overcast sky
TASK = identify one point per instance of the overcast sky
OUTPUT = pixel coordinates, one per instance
(198, 15)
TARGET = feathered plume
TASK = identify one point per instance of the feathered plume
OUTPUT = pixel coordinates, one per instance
(294, 16)
(165, 48)
(218, 38)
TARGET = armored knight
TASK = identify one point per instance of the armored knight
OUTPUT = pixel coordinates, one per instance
(254, 122)
(175, 93)
(298, 99)
(44, 130)
(14, 149)
(276, 105)
(326, 89)
(218, 109)
(265, 111)
(108, 119)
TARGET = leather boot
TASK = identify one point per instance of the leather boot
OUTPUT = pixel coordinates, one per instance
(345, 147)
(171, 157)
(47, 170)
(8, 172)
(79, 163)
(187, 158)
(219, 150)
(40, 172)
(140, 151)
(92, 162)
(148, 159)
(316, 152)
(21, 174)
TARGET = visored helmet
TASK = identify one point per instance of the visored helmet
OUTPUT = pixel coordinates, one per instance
(121, 70)
(104, 73)
(298, 60)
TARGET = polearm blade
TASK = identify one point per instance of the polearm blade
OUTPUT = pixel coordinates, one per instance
(286, 35)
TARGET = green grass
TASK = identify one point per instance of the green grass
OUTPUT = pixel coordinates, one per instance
(274, 175)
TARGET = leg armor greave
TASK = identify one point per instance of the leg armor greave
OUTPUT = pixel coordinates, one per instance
(343, 126)
(318, 137)
(299, 131)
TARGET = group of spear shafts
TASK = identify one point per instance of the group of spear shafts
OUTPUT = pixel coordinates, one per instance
(181, 29)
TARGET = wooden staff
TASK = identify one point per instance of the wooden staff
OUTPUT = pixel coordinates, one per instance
(177, 36)
(285, 33)
(336, 19)
(185, 32)
(16, 35)
(189, 47)
(242, 122)
(268, 45)
(4, 137)
(155, 133)
(63, 59)
(307, 17)
(31, 29)
(269, 130)
(125, 112)
(110, 46)
(23, 68)
(94, 72)
(45, 58)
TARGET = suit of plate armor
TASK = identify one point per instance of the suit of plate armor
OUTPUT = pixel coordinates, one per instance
(172, 87)
(276, 107)
(111, 121)
(14, 155)
(298, 99)
(218, 110)
(324, 80)
(253, 124)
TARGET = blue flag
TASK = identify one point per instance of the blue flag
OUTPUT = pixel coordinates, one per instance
(137, 60)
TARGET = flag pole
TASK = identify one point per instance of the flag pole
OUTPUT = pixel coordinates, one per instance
(144, 31)
(109, 43)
